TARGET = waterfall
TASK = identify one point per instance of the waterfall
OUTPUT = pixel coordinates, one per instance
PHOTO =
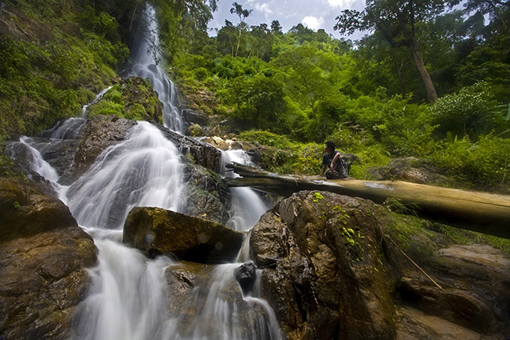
(129, 296)
(70, 128)
(31, 160)
(127, 299)
(144, 170)
(98, 98)
(146, 65)
(247, 206)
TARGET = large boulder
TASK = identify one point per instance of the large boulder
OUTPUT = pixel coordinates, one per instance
(191, 117)
(474, 290)
(157, 231)
(43, 256)
(339, 267)
(323, 275)
(99, 133)
(25, 212)
(207, 195)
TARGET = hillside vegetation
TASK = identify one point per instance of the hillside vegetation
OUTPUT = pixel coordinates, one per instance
(292, 90)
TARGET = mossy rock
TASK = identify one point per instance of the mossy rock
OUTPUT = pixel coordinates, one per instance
(158, 231)
(132, 98)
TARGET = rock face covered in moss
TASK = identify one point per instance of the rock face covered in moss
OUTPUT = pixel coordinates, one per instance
(159, 231)
(207, 195)
(43, 256)
(324, 278)
(331, 271)
(132, 98)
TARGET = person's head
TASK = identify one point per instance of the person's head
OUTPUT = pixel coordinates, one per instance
(330, 146)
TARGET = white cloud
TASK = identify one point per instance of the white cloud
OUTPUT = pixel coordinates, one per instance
(263, 8)
(312, 22)
(341, 3)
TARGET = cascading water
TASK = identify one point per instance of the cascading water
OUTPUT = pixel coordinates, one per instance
(70, 128)
(145, 65)
(144, 170)
(129, 293)
(247, 206)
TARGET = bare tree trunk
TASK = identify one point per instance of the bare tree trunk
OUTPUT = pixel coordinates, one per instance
(481, 212)
(425, 76)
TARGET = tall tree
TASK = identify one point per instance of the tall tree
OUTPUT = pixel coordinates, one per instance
(242, 14)
(397, 21)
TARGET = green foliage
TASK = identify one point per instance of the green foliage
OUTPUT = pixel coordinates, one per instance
(257, 100)
(470, 112)
(42, 82)
(485, 164)
(265, 138)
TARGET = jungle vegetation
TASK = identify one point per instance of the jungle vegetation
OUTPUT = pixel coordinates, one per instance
(429, 80)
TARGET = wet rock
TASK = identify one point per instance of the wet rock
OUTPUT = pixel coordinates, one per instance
(191, 117)
(199, 298)
(246, 275)
(159, 231)
(203, 154)
(207, 194)
(224, 144)
(215, 131)
(324, 278)
(413, 324)
(25, 212)
(99, 133)
(43, 256)
(475, 284)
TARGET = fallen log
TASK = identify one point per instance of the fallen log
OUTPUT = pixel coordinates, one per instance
(477, 211)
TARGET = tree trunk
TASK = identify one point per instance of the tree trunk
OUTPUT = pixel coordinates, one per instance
(425, 76)
(481, 212)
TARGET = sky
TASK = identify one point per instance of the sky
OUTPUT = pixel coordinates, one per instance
(314, 14)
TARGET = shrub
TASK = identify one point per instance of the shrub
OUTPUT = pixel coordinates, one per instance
(484, 164)
(470, 112)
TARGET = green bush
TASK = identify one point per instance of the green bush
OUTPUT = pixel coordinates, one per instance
(484, 164)
(265, 138)
(470, 112)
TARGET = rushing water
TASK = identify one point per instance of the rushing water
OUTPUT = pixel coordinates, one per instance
(144, 170)
(129, 294)
(145, 64)
(247, 206)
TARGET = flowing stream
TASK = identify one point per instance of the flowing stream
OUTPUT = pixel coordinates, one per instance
(129, 294)
(145, 64)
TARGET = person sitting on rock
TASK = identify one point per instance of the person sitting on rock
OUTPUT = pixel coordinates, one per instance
(333, 165)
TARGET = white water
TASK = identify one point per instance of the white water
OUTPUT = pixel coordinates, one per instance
(37, 163)
(247, 206)
(70, 128)
(98, 98)
(220, 316)
(144, 170)
(127, 299)
(145, 65)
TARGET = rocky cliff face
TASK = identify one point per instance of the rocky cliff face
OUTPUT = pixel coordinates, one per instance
(323, 275)
(43, 256)
(331, 271)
